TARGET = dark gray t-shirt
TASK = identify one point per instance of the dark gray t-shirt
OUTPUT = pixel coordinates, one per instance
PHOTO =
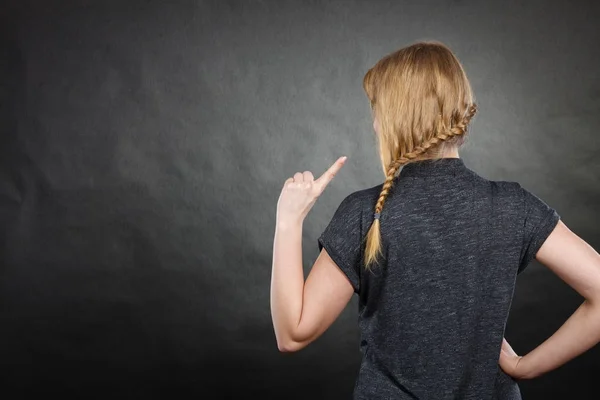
(432, 314)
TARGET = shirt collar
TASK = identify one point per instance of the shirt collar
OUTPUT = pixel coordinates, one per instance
(433, 167)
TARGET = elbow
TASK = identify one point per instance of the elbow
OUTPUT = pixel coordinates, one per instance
(290, 346)
(285, 348)
(292, 342)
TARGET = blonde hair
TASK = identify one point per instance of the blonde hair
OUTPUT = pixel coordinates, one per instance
(423, 103)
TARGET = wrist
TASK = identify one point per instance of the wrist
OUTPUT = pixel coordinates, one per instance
(287, 224)
(526, 368)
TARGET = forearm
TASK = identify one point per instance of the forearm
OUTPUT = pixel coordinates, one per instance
(579, 333)
(287, 281)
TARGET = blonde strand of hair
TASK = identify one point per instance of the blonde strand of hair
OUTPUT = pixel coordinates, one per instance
(373, 238)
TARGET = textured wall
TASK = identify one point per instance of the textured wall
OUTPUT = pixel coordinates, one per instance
(143, 146)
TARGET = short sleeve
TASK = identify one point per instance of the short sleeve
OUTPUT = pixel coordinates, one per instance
(342, 238)
(539, 220)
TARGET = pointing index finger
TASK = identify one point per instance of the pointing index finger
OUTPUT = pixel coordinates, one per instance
(328, 175)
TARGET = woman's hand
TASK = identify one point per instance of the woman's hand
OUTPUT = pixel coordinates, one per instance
(300, 193)
(510, 362)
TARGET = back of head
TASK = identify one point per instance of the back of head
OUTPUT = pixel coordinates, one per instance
(423, 103)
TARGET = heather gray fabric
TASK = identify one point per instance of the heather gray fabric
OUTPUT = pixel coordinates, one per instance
(432, 314)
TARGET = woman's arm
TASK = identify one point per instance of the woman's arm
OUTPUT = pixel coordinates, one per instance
(287, 282)
(303, 311)
(578, 265)
(288, 292)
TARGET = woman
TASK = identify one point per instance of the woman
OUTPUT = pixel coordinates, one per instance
(432, 253)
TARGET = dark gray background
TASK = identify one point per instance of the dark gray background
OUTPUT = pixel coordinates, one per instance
(144, 145)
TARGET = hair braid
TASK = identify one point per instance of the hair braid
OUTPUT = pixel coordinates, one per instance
(373, 237)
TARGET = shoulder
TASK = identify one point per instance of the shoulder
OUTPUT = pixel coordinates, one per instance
(354, 202)
(506, 196)
(356, 205)
(514, 198)
(510, 189)
(514, 191)
(363, 199)
(369, 195)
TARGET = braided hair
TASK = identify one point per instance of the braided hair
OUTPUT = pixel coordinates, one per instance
(424, 103)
